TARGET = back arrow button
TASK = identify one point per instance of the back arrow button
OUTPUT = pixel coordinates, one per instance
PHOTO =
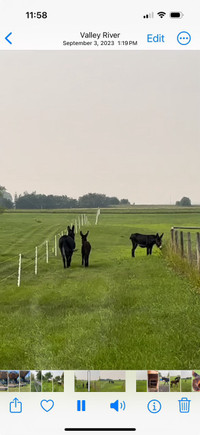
(7, 38)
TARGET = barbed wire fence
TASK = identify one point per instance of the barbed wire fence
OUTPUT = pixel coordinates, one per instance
(41, 254)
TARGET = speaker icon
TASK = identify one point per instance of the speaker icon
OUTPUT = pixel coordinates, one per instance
(118, 406)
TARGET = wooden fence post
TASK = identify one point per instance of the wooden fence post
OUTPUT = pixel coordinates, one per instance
(182, 243)
(198, 251)
(189, 245)
(176, 240)
(172, 238)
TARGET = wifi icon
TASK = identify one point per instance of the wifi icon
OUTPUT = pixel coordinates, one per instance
(161, 14)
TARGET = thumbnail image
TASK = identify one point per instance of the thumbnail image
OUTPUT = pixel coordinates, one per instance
(13, 381)
(164, 381)
(153, 381)
(141, 381)
(36, 381)
(196, 380)
(58, 381)
(175, 378)
(25, 381)
(100, 381)
(47, 381)
(3, 380)
(186, 381)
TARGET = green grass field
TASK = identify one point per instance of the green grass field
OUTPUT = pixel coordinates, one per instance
(47, 386)
(141, 386)
(57, 388)
(119, 313)
(186, 385)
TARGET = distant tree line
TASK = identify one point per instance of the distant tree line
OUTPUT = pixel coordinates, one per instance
(5, 199)
(184, 202)
(27, 201)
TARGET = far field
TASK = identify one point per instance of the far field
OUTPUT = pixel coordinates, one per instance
(120, 313)
(100, 386)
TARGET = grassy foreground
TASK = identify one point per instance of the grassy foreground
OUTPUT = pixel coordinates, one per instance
(120, 313)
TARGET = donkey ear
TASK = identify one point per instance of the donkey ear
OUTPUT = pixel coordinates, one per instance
(81, 233)
(162, 235)
(87, 233)
(157, 235)
(73, 228)
(68, 227)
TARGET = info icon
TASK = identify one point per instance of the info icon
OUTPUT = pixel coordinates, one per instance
(154, 406)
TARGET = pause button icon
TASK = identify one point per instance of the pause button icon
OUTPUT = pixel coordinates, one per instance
(80, 405)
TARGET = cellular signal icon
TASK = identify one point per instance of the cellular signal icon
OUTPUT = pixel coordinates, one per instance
(151, 15)
(161, 14)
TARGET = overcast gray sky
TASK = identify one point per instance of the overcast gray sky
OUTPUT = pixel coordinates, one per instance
(119, 123)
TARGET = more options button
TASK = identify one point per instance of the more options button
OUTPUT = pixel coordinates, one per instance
(155, 38)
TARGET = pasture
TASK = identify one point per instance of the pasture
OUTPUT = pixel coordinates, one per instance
(141, 386)
(186, 385)
(118, 313)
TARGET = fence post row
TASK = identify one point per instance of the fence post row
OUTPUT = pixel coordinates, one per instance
(181, 250)
(77, 223)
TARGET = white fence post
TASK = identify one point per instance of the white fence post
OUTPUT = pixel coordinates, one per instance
(55, 246)
(79, 223)
(76, 229)
(36, 260)
(19, 270)
(97, 216)
(47, 251)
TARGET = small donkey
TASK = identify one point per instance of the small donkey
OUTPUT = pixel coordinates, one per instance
(85, 250)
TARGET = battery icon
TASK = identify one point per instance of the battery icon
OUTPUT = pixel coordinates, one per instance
(176, 14)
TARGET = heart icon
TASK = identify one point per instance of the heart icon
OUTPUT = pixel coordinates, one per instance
(47, 405)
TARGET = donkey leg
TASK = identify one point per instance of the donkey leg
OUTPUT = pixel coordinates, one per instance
(134, 248)
(64, 264)
(68, 261)
(63, 257)
(86, 261)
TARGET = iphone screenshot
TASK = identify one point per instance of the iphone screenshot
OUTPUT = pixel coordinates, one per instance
(99, 217)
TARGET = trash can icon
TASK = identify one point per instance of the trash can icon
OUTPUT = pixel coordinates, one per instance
(184, 405)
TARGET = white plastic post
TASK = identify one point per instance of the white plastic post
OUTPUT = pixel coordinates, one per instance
(82, 220)
(76, 229)
(62, 233)
(79, 223)
(36, 260)
(19, 270)
(55, 246)
(47, 251)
